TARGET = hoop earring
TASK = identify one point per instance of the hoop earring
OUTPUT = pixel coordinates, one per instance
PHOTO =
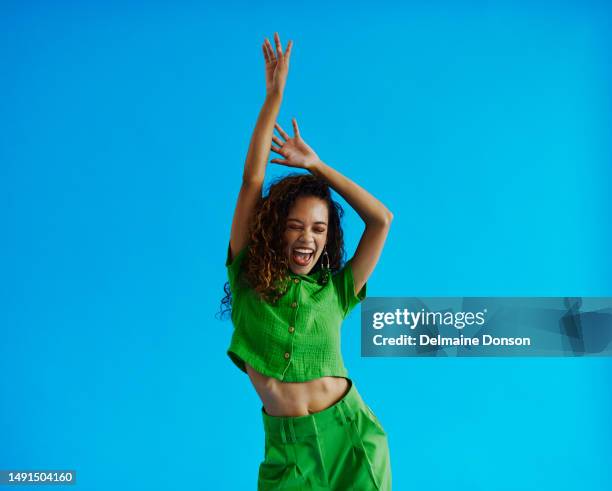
(325, 267)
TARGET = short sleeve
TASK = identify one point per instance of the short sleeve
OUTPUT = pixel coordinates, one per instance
(345, 286)
(234, 265)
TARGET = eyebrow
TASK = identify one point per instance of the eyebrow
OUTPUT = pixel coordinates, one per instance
(300, 221)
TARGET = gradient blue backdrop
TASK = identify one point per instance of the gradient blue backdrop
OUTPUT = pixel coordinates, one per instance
(484, 127)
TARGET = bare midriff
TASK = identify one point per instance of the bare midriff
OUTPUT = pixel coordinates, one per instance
(297, 398)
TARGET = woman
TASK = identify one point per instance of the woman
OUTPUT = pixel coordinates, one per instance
(289, 295)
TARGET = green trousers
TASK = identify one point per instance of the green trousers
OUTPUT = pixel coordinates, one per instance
(343, 447)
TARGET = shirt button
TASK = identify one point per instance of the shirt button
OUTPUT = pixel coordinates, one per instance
(287, 355)
(296, 281)
(294, 305)
(291, 328)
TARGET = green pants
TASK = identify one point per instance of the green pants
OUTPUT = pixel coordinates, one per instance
(342, 447)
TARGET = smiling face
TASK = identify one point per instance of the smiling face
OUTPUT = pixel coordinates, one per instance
(306, 233)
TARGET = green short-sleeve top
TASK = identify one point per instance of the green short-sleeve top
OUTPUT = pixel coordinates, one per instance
(297, 338)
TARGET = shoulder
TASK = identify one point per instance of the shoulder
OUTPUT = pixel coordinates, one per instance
(344, 283)
(234, 265)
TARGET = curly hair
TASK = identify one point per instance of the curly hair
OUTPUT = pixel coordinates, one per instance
(265, 267)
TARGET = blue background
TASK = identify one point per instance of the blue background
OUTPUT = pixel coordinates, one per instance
(483, 127)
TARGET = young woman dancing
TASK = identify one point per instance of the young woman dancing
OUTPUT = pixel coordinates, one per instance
(289, 293)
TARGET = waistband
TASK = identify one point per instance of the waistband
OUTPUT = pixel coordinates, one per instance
(292, 428)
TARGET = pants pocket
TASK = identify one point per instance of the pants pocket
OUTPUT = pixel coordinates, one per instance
(279, 472)
(375, 447)
(374, 419)
(272, 477)
(273, 469)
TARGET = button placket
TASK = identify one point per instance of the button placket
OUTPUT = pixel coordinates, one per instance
(294, 294)
(291, 329)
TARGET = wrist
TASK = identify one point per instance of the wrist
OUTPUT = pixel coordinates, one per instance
(315, 167)
(274, 94)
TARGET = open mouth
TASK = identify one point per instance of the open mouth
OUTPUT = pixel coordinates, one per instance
(302, 256)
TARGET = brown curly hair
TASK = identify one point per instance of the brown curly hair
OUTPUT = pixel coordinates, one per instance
(265, 267)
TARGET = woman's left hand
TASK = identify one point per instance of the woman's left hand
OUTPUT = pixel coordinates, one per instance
(295, 150)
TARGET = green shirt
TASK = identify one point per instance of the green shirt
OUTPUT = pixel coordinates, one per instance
(298, 338)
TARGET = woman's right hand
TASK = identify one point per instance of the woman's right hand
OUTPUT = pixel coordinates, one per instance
(277, 65)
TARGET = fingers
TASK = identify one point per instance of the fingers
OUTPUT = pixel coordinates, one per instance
(277, 150)
(277, 140)
(265, 52)
(281, 131)
(279, 48)
(296, 130)
(269, 51)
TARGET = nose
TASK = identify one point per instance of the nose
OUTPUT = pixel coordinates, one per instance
(306, 237)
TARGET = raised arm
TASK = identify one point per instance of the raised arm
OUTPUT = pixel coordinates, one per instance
(276, 68)
(376, 216)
